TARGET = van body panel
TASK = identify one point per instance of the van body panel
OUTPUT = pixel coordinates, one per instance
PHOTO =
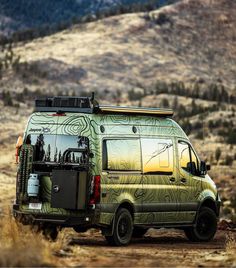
(155, 198)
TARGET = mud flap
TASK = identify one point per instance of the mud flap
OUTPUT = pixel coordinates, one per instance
(108, 231)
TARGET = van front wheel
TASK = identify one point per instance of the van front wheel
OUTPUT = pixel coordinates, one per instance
(123, 229)
(205, 226)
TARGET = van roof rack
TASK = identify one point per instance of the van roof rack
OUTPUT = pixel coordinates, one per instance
(64, 104)
(89, 105)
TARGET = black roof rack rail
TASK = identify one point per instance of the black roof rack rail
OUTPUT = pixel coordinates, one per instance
(64, 104)
(89, 105)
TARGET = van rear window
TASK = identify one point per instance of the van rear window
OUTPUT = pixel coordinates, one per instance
(54, 148)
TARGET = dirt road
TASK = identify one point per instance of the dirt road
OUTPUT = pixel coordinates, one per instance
(159, 248)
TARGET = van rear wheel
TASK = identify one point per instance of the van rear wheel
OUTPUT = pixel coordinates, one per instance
(204, 228)
(50, 232)
(123, 229)
(80, 229)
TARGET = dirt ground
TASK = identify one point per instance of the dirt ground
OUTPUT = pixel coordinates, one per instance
(158, 248)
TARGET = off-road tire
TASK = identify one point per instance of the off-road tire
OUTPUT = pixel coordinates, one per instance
(123, 228)
(205, 226)
(139, 232)
(50, 232)
(80, 229)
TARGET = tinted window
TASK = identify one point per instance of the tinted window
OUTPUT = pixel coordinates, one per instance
(187, 158)
(157, 155)
(194, 160)
(121, 155)
(184, 156)
(54, 148)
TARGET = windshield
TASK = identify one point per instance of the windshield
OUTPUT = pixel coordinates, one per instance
(59, 148)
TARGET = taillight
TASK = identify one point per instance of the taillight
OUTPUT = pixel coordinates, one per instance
(95, 190)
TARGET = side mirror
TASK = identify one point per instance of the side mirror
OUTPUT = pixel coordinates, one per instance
(203, 168)
(208, 167)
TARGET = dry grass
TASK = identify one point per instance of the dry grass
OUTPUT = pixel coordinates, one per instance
(20, 246)
(230, 248)
(230, 244)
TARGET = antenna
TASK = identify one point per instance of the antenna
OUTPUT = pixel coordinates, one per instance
(93, 101)
(92, 97)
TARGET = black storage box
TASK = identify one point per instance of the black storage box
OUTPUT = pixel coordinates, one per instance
(69, 189)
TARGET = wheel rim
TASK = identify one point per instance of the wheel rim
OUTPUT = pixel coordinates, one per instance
(123, 228)
(204, 225)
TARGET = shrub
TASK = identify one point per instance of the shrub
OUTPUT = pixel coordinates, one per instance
(199, 135)
(228, 160)
(162, 19)
(217, 154)
(7, 98)
(231, 139)
(134, 95)
(187, 126)
(165, 103)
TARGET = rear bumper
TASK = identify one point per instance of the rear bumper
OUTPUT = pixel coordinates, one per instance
(85, 219)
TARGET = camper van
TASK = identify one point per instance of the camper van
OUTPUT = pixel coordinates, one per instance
(119, 169)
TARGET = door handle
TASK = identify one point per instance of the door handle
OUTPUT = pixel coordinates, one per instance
(172, 179)
(113, 177)
(183, 180)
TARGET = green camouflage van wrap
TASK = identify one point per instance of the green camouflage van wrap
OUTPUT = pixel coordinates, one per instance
(152, 198)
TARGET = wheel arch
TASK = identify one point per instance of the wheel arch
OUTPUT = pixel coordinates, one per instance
(210, 203)
(124, 204)
(128, 205)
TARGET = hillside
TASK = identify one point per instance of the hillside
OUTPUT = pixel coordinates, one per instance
(27, 14)
(186, 42)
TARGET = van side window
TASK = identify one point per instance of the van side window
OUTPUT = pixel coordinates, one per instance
(123, 155)
(157, 156)
(187, 158)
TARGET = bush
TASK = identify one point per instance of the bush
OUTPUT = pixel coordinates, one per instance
(162, 19)
(187, 126)
(217, 154)
(231, 139)
(228, 160)
(134, 95)
(165, 103)
(222, 132)
(7, 98)
(199, 135)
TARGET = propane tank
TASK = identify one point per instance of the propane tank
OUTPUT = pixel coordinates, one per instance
(33, 185)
